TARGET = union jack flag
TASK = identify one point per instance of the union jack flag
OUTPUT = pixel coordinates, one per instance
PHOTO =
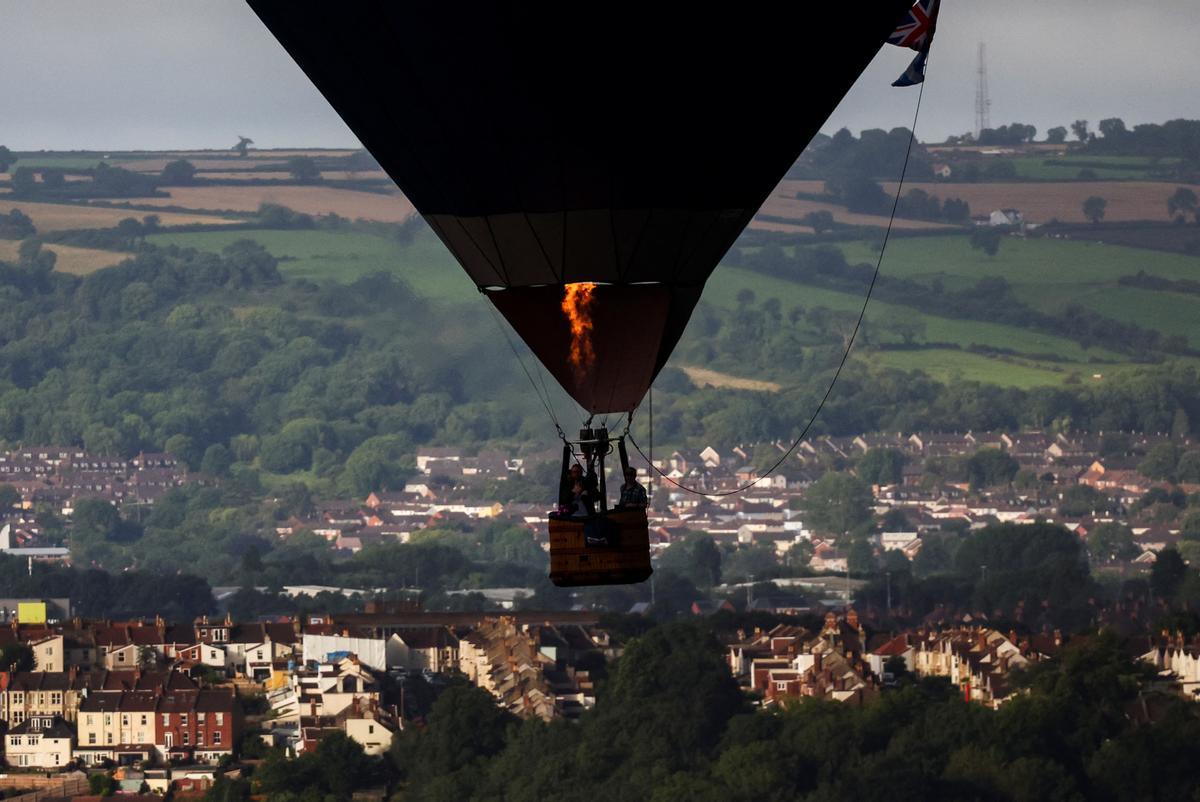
(916, 29)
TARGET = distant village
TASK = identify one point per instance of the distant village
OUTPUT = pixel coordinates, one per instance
(450, 488)
(450, 483)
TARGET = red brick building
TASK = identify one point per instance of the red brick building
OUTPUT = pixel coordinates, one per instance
(198, 725)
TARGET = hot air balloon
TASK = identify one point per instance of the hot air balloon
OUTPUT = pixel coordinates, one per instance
(588, 165)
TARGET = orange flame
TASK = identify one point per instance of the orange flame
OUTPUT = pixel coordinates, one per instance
(576, 305)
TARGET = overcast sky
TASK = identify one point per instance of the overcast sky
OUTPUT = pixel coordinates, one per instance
(161, 74)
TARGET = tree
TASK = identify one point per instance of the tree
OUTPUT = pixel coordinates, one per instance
(7, 159)
(1056, 135)
(1112, 128)
(16, 657)
(1182, 203)
(303, 169)
(820, 221)
(1160, 462)
(882, 466)
(1188, 468)
(986, 239)
(705, 562)
(1110, 542)
(243, 145)
(217, 460)
(990, 467)
(16, 225)
(956, 210)
(1093, 208)
(1080, 500)
(180, 171)
(1080, 129)
(9, 497)
(24, 182)
(1189, 528)
(837, 503)
(1168, 573)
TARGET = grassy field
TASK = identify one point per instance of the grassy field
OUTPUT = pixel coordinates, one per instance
(1048, 274)
(345, 256)
(1044, 168)
(1046, 263)
(1168, 312)
(726, 282)
(947, 365)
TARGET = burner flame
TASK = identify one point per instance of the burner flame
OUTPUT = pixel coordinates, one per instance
(576, 305)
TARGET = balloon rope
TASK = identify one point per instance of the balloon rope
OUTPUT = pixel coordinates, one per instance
(912, 135)
(512, 346)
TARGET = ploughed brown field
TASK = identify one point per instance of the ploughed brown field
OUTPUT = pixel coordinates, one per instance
(62, 216)
(392, 208)
(783, 203)
(284, 175)
(1041, 202)
(220, 163)
(79, 261)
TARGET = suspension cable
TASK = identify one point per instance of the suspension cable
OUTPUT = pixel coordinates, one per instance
(912, 136)
(513, 347)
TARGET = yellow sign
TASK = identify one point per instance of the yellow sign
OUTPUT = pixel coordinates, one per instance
(31, 612)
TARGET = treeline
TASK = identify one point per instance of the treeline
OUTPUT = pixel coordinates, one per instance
(1146, 281)
(875, 154)
(95, 593)
(102, 181)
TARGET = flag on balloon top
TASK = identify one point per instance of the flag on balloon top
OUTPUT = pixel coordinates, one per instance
(916, 31)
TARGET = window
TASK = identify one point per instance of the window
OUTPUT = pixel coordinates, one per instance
(49, 651)
(183, 719)
(199, 718)
(125, 720)
(16, 740)
(107, 719)
(200, 739)
(217, 738)
(370, 729)
(144, 719)
(91, 738)
(33, 740)
(185, 737)
(18, 698)
(121, 657)
(56, 698)
(108, 737)
(166, 719)
(220, 719)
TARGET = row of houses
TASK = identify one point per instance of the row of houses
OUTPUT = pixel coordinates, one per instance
(58, 717)
(842, 663)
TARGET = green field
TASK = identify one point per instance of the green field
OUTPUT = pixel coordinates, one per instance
(726, 282)
(1048, 168)
(1043, 272)
(1168, 312)
(1042, 262)
(345, 256)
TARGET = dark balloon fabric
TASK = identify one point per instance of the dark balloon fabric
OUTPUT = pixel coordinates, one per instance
(549, 143)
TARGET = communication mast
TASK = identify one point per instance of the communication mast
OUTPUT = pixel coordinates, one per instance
(982, 102)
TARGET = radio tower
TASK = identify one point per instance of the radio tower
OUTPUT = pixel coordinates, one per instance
(982, 102)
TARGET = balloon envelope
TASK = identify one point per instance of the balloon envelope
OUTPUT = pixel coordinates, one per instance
(623, 143)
